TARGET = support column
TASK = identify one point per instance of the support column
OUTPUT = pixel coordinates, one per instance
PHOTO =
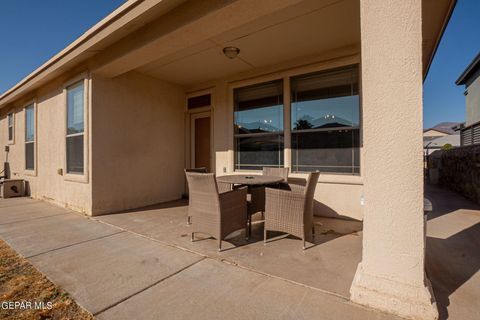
(391, 275)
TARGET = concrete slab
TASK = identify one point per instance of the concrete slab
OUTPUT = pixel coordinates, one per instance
(215, 290)
(103, 272)
(36, 236)
(328, 265)
(453, 254)
(27, 209)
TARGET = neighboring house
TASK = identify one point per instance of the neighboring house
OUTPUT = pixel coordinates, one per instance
(111, 121)
(470, 131)
(442, 134)
(441, 129)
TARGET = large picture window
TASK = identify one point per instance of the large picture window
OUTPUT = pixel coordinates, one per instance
(30, 137)
(75, 128)
(258, 117)
(326, 122)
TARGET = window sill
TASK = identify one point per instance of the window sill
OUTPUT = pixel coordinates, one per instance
(80, 178)
(31, 173)
(324, 178)
(333, 178)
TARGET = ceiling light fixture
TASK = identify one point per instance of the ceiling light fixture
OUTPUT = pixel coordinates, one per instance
(231, 52)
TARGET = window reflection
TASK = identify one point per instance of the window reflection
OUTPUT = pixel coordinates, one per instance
(325, 122)
(258, 120)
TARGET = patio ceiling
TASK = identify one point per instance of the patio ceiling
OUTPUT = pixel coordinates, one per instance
(306, 29)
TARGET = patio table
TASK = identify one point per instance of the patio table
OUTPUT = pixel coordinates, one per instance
(249, 180)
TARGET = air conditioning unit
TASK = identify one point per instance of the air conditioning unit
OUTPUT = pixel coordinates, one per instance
(12, 188)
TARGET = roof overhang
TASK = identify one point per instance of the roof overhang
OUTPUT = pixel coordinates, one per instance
(134, 35)
(473, 67)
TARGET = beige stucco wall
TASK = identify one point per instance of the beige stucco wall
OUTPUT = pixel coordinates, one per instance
(45, 183)
(138, 145)
(473, 100)
(391, 275)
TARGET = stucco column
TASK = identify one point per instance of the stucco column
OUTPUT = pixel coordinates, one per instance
(391, 275)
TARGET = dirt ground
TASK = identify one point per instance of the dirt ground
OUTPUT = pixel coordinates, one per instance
(20, 282)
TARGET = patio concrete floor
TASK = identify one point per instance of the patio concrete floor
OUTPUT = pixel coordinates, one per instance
(141, 263)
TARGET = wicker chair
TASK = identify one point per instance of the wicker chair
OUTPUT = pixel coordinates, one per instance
(214, 213)
(222, 187)
(290, 209)
(256, 202)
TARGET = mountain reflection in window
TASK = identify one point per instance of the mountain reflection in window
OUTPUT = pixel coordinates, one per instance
(326, 121)
(258, 121)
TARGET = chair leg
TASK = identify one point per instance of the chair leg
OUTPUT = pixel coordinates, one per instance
(303, 240)
(313, 231)
(250, 225)
(193, 237)
(188, 220)
(264, 236)
(219, 245)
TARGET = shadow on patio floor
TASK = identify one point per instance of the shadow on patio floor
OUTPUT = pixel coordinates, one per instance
(453, 254)
(329, 264)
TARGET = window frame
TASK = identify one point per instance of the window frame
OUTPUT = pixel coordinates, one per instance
(286, 74)
(329, 129)
(281, 133)
(11, 141)
(30, 172)
(85, 80)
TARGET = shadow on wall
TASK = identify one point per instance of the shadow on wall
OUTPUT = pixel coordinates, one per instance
(321, 209)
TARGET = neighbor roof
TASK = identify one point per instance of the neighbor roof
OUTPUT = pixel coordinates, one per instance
(469, 71)
(445, 127)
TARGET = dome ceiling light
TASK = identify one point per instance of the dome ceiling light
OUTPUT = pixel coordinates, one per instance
(231, 52)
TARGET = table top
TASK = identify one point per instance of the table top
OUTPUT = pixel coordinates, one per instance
(249, 179)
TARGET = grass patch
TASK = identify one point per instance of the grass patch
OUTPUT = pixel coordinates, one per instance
(21, 282)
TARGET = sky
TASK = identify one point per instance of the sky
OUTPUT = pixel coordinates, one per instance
(443, 100)
(31, 32)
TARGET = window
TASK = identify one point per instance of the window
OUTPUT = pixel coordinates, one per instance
(258, 119)
(10, 126)
(75, 128)
(326, 122)
(30, 137)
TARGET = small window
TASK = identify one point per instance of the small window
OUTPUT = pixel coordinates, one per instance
(75, 128)
(258, 124)
(199, 101)
(30, 137)
(10, 126)
(326, 122)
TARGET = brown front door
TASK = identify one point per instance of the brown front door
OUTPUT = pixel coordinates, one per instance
(201, 142)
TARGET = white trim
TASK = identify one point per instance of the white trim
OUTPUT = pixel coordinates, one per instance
(78, 177)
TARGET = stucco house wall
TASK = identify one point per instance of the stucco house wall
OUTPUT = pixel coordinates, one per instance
(473, 99)
(45, 182)
(139, 134)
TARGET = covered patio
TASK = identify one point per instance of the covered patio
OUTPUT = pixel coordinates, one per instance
(329, 264)
(145, 261)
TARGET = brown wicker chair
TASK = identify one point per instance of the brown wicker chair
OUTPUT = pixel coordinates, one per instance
(222, 187)
(256, 202)
(214, 213)
(290, 209)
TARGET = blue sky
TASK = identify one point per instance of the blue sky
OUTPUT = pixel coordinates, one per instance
(442, 99)
(31, 32)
